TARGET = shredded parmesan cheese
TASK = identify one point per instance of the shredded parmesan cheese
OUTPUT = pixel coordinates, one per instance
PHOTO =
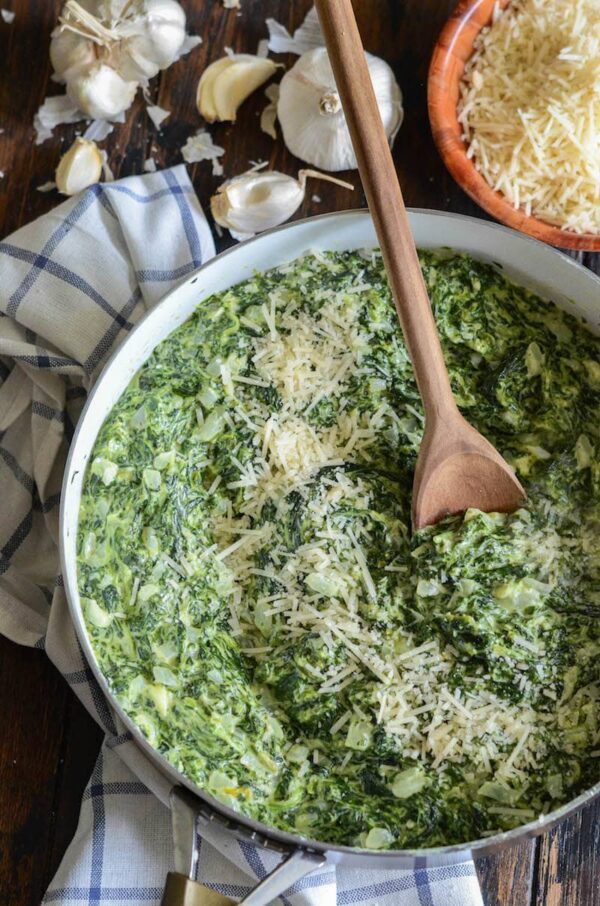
(530, 109)
(323, 584)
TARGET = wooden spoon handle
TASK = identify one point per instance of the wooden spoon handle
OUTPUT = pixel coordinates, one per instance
(386, 204)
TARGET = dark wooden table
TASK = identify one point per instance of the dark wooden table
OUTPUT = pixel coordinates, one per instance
(47, 742)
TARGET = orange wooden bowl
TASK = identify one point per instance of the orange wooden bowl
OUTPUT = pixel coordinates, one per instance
(453, 49)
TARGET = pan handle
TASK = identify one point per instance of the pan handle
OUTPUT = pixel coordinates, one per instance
(296, 866)
(182, 890)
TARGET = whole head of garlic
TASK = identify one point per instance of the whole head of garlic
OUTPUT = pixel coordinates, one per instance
(259, 200)
(227, 82)
(311, 116)
(79, 168)
(103, 49)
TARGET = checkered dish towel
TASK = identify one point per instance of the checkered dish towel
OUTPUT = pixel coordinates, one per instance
(72, 285)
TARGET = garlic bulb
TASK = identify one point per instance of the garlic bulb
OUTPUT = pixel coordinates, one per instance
(310, 111)
(101, 92)
(227, 82)
(79, 168)
(258, 200)
(103, 49)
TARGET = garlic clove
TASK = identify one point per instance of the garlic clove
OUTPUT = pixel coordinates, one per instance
(310, 112)
(256, 201)
(156, 42)
(238, 82)
(70, 53)
(204, 94)
(131, 62)
(259, 200)
(232, 80)
(79, 168)
(165, 31)
(100, 92)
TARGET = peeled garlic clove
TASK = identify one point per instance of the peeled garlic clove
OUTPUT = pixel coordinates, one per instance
(79, 168)
(310, 111)
(256, 201)
(204, 95)
(227, 83)
(238, 82)
(101, 92)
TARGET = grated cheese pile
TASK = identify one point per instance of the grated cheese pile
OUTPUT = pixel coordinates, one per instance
(530, 109)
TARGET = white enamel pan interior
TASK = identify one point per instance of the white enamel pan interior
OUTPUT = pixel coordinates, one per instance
(550, 273)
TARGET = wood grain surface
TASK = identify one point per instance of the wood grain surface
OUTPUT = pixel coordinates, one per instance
(47, 742)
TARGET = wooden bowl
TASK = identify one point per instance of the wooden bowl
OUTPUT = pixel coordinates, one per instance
(453, 49)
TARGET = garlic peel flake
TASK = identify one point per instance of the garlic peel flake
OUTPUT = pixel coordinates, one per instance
(268, 117)
(311, 116)
(189, 43)
(201, 147)
(259, 200)
(227, 82)
(306, 37)
(98, 130)
(79, 168)
(53, 112)
(157, 114)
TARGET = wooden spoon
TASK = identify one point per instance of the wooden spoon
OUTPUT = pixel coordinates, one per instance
(457, 468)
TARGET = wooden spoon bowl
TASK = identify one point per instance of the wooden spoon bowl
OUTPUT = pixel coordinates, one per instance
(453, 49)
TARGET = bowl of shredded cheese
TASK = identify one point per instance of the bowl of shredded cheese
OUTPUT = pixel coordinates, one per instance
(514, 104)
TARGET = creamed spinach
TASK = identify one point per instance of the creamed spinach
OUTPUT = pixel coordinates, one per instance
(258, 602)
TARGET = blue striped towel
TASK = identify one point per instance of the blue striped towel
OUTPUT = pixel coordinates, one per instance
(72, 286)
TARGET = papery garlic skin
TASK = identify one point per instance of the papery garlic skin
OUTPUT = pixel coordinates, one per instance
(227, 82)
(311, 116)
(268, 117)
(200, 147)
(79, 168)
(101, 92)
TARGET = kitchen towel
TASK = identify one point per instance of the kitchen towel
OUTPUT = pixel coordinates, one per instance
(72, 285)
